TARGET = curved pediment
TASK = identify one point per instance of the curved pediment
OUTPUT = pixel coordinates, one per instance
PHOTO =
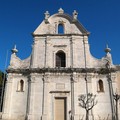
(51, 25)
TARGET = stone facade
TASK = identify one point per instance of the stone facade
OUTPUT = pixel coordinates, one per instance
(39, 86)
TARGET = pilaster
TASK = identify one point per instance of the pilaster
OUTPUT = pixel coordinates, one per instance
(7, 98)
(34, 53)
(45, 97)
(31, 97)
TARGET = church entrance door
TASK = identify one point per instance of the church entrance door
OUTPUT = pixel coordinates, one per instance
(60, 109)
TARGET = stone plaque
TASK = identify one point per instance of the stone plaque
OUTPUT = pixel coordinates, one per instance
(60, 86)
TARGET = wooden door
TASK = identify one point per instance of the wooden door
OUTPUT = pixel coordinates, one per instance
(60, 109)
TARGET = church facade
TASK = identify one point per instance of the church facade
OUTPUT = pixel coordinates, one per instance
(49, 84)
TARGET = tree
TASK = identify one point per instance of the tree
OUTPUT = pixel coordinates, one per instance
(87, 102)
(1, 78)
(2, 85)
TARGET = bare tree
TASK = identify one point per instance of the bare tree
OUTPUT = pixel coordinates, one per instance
(87, 102)
(116, 98)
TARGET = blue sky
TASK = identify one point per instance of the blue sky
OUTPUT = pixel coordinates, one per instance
(19, 18)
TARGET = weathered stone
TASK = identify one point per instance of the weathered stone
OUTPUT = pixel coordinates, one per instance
(45, 84)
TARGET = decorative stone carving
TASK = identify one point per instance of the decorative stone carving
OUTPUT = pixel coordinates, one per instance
(14, 50)
(33, 79)
(75, 14)
(60, 46)
(61, 11)
(108, 56)
(60, 21)
(16, 62)
(47, 15)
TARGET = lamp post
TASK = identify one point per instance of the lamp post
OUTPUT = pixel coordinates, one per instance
(116, 98)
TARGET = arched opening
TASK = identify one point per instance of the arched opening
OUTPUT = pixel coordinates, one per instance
(60, 29)
(21, 85)
(100, 86)
(60, 59)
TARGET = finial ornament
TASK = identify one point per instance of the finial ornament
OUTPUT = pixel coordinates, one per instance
(107, 49)
(14, 50)
(47, 15)
(108, 56)
(75, 14)
(61, 11)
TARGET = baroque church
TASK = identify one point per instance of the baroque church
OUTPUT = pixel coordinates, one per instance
(61, 80)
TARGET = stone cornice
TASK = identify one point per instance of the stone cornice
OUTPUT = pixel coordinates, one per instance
(82, 34)
(63, 70)
(59, 91)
